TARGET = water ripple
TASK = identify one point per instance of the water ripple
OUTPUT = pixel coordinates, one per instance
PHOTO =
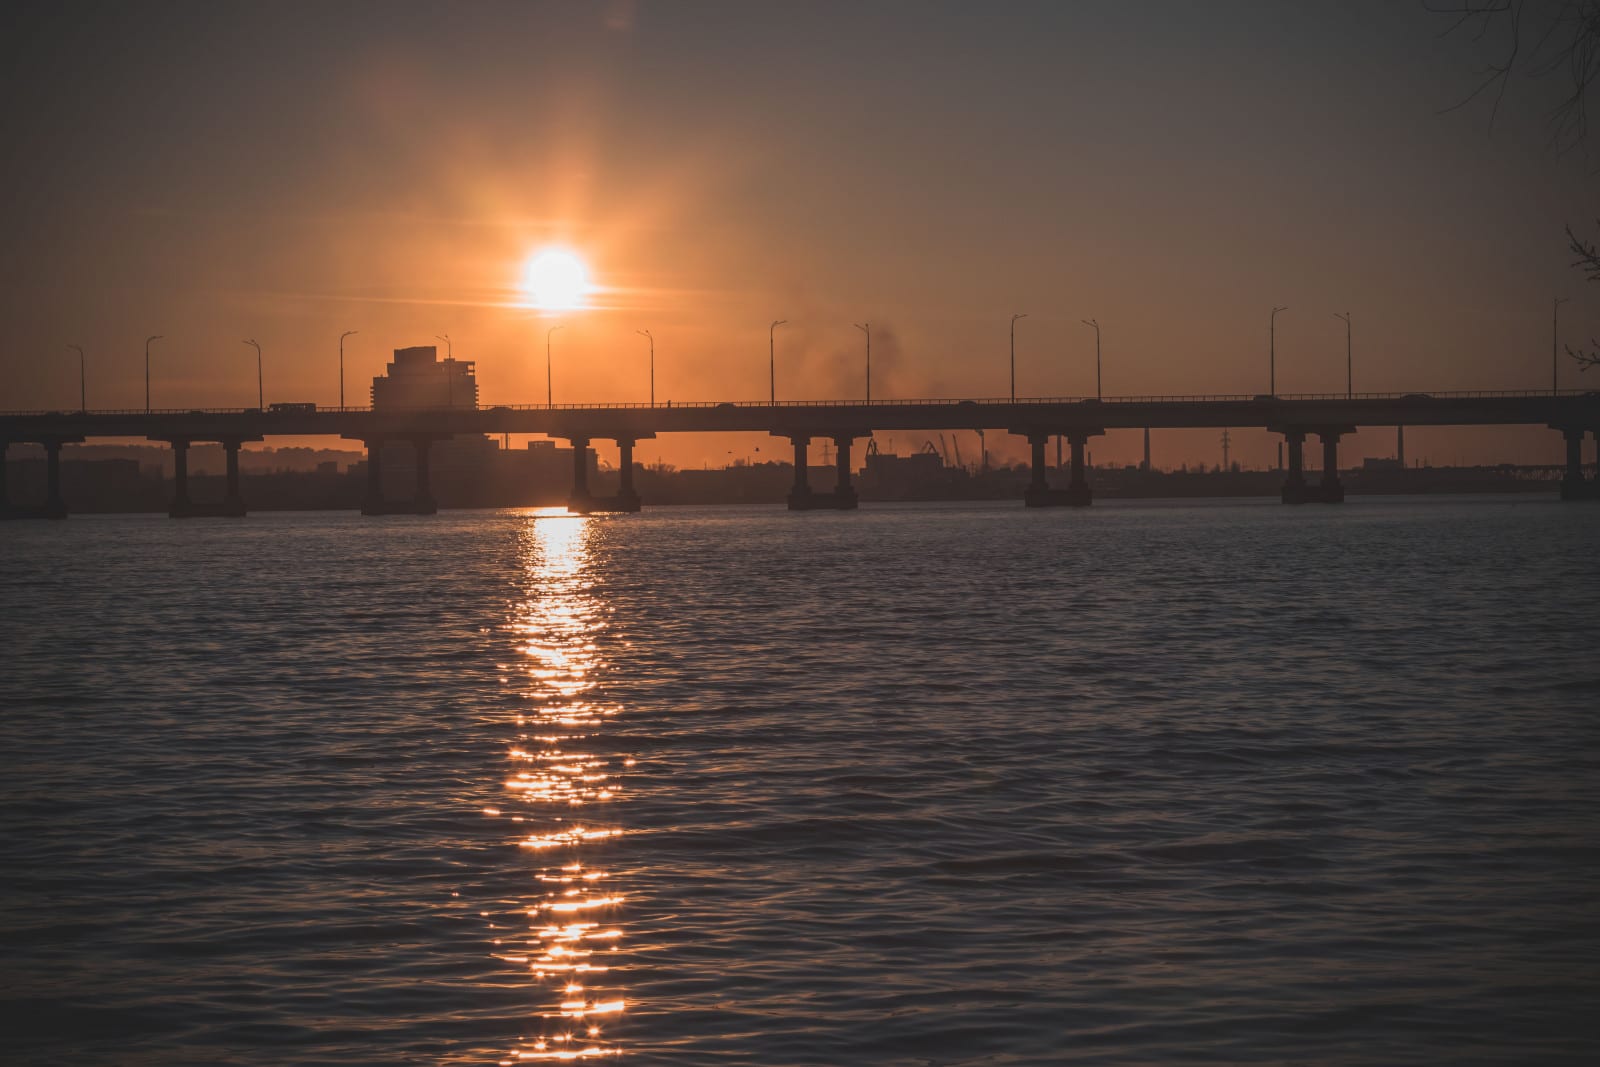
(1226, 783)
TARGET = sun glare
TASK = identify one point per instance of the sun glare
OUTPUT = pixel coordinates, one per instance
(555, 278)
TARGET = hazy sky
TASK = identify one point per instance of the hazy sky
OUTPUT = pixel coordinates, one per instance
(214, 172)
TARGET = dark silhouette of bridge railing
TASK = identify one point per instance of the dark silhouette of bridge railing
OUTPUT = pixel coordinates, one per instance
(1177, 398)
(1073, 419)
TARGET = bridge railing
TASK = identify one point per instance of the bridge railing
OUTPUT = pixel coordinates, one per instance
(702, 405)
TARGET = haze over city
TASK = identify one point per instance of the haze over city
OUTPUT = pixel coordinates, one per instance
(289, 173)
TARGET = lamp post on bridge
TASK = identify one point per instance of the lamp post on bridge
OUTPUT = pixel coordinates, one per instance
(1555, 337)
(147, 341)
(866, 328)
(1272, 352)
(772, 361)
(449, 372)
(261, 393)
(1014, 319)
(342, 336)
(549, 392)
(1349, 378)
(1095, 323)
(646, 333)
(83, 389)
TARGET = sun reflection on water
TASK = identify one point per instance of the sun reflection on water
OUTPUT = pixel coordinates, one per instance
(559, 788)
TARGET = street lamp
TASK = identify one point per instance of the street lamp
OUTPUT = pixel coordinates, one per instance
(449, 372)
(1096, 324)
(646, 333)
(1555, 336)
(866, 328)
(1014, 319)
(260, 392)
(549, 393)
(342, 336)
(1349, 378)
(147, 341)
(83, 391)
(1272, 352)
(772, 362)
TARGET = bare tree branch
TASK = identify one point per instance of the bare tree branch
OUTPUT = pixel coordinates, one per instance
(1588, 261)
(1565, 44)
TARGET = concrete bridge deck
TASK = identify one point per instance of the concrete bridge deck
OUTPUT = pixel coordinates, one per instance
(1075, 419)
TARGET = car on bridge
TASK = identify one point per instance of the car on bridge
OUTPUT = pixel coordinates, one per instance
(300, 408)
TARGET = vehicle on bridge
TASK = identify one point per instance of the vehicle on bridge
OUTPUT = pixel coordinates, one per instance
(292, 409)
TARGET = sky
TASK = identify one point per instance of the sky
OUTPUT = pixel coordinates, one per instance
(286, 172)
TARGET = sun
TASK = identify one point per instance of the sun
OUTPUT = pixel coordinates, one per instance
(556, 279)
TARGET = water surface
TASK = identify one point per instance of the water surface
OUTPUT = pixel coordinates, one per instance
(1211, 782)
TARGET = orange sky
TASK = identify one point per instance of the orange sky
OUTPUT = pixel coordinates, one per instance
(286, 173)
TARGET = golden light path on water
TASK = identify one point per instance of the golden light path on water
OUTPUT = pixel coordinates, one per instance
(557, 795)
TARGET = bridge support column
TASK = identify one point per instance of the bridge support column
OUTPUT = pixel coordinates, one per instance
(800, 494)
(374, 504)
(802, 497)
(580, 502)
(1295, 490)
(1078, 492)
(1330, 491)
(627, 495)
(181, 507)
(1573, 484)
(844, 493)
(54, 506)
(233, 504)
(5, 497)
(1038, 491)
(423, 504)
(1039, 494)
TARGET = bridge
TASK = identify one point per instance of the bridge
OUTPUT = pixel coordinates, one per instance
(1075, 420)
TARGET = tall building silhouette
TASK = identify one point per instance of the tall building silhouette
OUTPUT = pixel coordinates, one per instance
(418, 378)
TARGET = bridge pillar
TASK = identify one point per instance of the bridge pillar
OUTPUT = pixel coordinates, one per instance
(5, 497)
(233, 504)
(844, 493)
(1295, 490)
(181, 505)
(802, 497)
(627, 495)
(374, 503)
(1330, 491)
(54, 506)
(1039, 494)
(1573, 484)
(800, 494)
(580, 501)
(424, 503)
(1078, 492)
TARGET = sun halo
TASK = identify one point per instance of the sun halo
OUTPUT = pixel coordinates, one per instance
(555, 279)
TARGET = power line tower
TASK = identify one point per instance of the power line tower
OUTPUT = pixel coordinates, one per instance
(1227, 440)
